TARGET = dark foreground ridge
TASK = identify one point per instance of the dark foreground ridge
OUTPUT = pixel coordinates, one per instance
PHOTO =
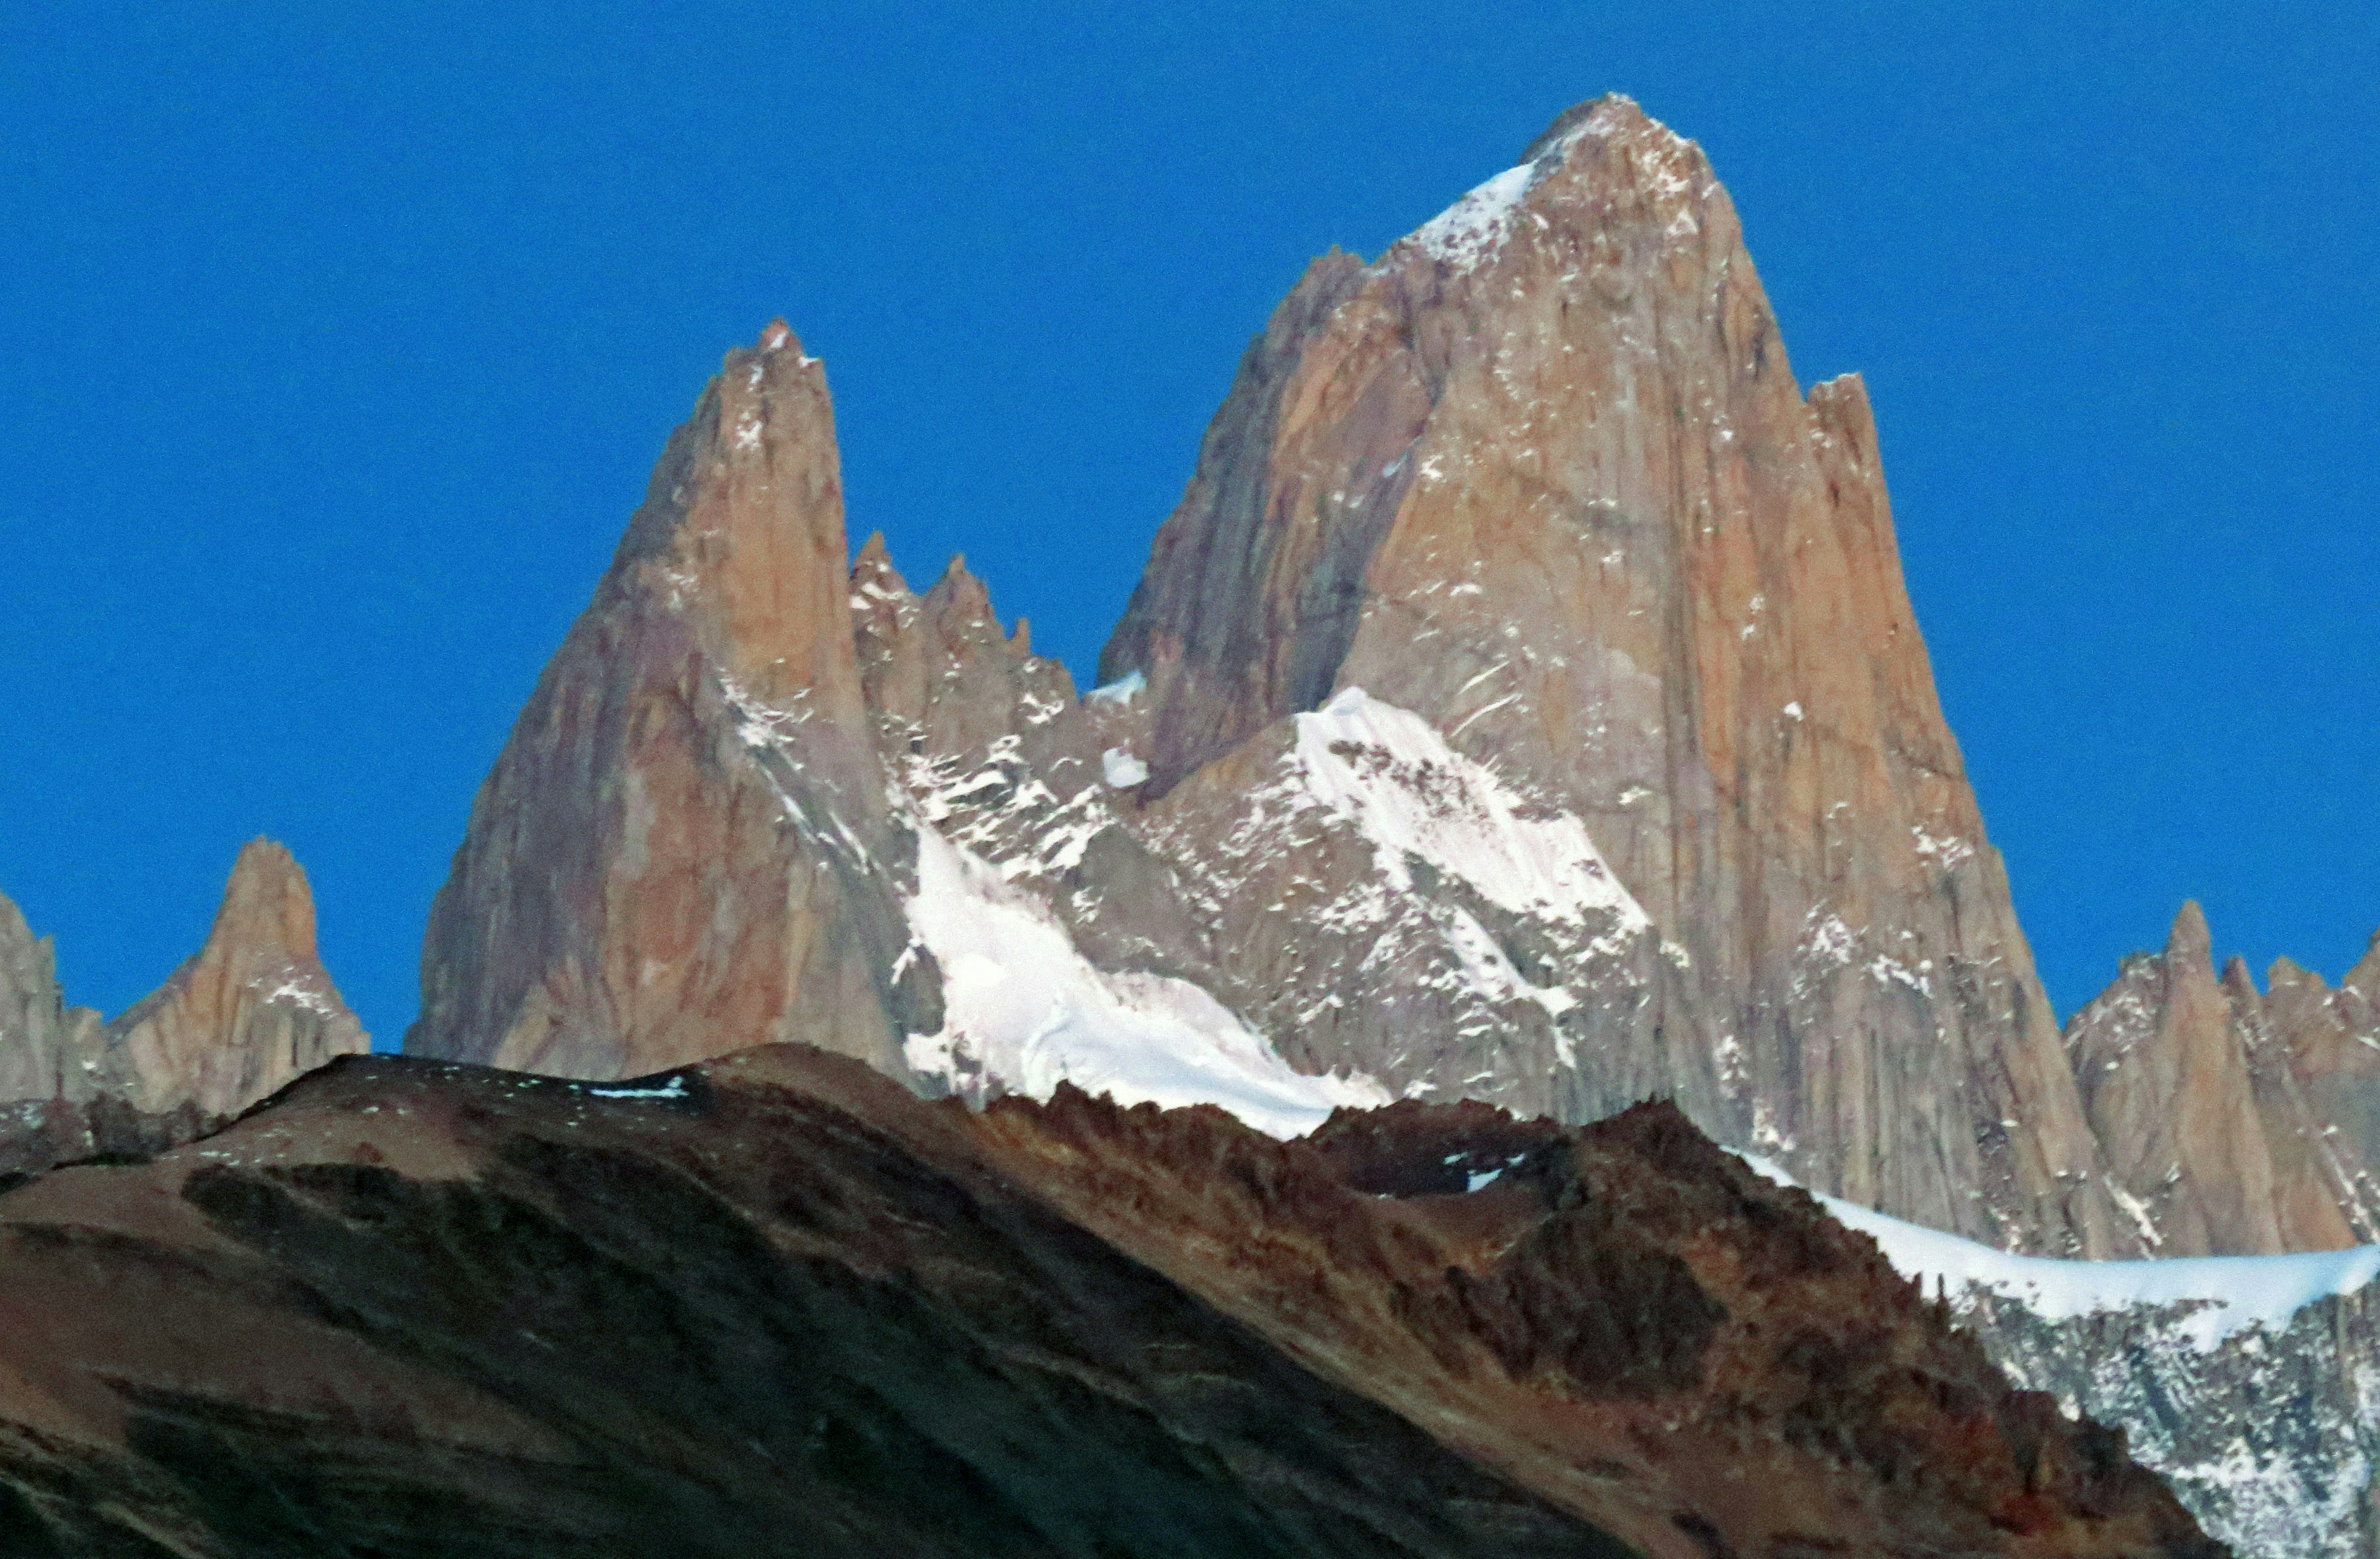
(779, 1306)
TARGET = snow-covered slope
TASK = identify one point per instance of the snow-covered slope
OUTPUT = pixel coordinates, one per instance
(1388, 773)
(1378, 901)
(2224, 1295)
(2252, 1382)
(1024, 1011)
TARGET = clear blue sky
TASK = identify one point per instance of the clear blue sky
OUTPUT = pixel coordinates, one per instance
(335, 342)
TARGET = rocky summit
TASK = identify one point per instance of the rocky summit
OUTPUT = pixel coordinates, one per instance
(1524, 703)
(686, 847)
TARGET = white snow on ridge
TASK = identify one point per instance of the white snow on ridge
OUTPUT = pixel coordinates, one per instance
(1116, 694)
(1020, 1005)
(1473, 229)
(1388, 773)
(2230, 1293)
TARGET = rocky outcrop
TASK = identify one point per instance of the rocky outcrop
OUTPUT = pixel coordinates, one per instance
(250, 1012)
(1541, 477)
(2215, 1107)
(684, 847)
(2269, 1434)
(48, 1050)
(779, 1305)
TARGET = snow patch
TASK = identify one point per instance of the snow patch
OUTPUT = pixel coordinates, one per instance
(674, 1089)
(1025, 1010)
(1473, 229)
(298, 990)
(1117, 694)
(1121, 770)
(2225, 1295)
(1389, 773)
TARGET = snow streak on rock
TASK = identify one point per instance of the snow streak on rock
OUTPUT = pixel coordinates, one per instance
(1388, 773)
(1023, 1011)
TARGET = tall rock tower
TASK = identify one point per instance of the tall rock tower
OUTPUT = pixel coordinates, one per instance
(1542, 477)
(684, 849)
(250, 1012)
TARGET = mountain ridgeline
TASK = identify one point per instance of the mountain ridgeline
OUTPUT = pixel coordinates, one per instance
(1522, 708)
(1524, 703)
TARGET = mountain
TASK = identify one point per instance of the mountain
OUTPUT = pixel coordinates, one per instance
(686, 847)
(249, 1012)
(2220, 1113)
(779, 1305)
(1522, 703)
(2244, 1381)
(1542, 478)
(50, 1055)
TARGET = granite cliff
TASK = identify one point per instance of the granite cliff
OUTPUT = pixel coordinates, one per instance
(686, 847)
(2234, 1120)
(248, 1013)
(1522, 703)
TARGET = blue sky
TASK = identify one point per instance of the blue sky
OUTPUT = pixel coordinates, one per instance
(335, 343)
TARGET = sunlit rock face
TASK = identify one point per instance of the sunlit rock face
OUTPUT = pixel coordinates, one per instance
(2234, 1122)
(1542, 478)
(250, 1012)
(247, 1015)
(684, 847)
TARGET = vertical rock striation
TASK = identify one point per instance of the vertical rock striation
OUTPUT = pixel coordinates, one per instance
(48, 1050)
(684, 847)
(2230, 1121)
(248, 1014)
(1542, 477)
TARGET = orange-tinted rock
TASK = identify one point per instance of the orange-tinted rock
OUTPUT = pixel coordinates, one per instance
(1542, 476)
(2332, 1039)
(250, 1012)
(2213, 1135)
(683, 848)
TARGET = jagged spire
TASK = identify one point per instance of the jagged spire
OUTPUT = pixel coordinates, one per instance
(686, 847)
(251, 1011)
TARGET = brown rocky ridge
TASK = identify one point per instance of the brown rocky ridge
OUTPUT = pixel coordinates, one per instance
(249, 1012)
(780, 1305)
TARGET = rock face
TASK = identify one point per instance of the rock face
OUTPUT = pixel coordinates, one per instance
(250, 1012)
(2269, 1435)
(2231, 1122)
(2332, 1040)
(781, 1306)
(1524, 703)
(1542, 478)
(684, 847)
(48, 1050)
